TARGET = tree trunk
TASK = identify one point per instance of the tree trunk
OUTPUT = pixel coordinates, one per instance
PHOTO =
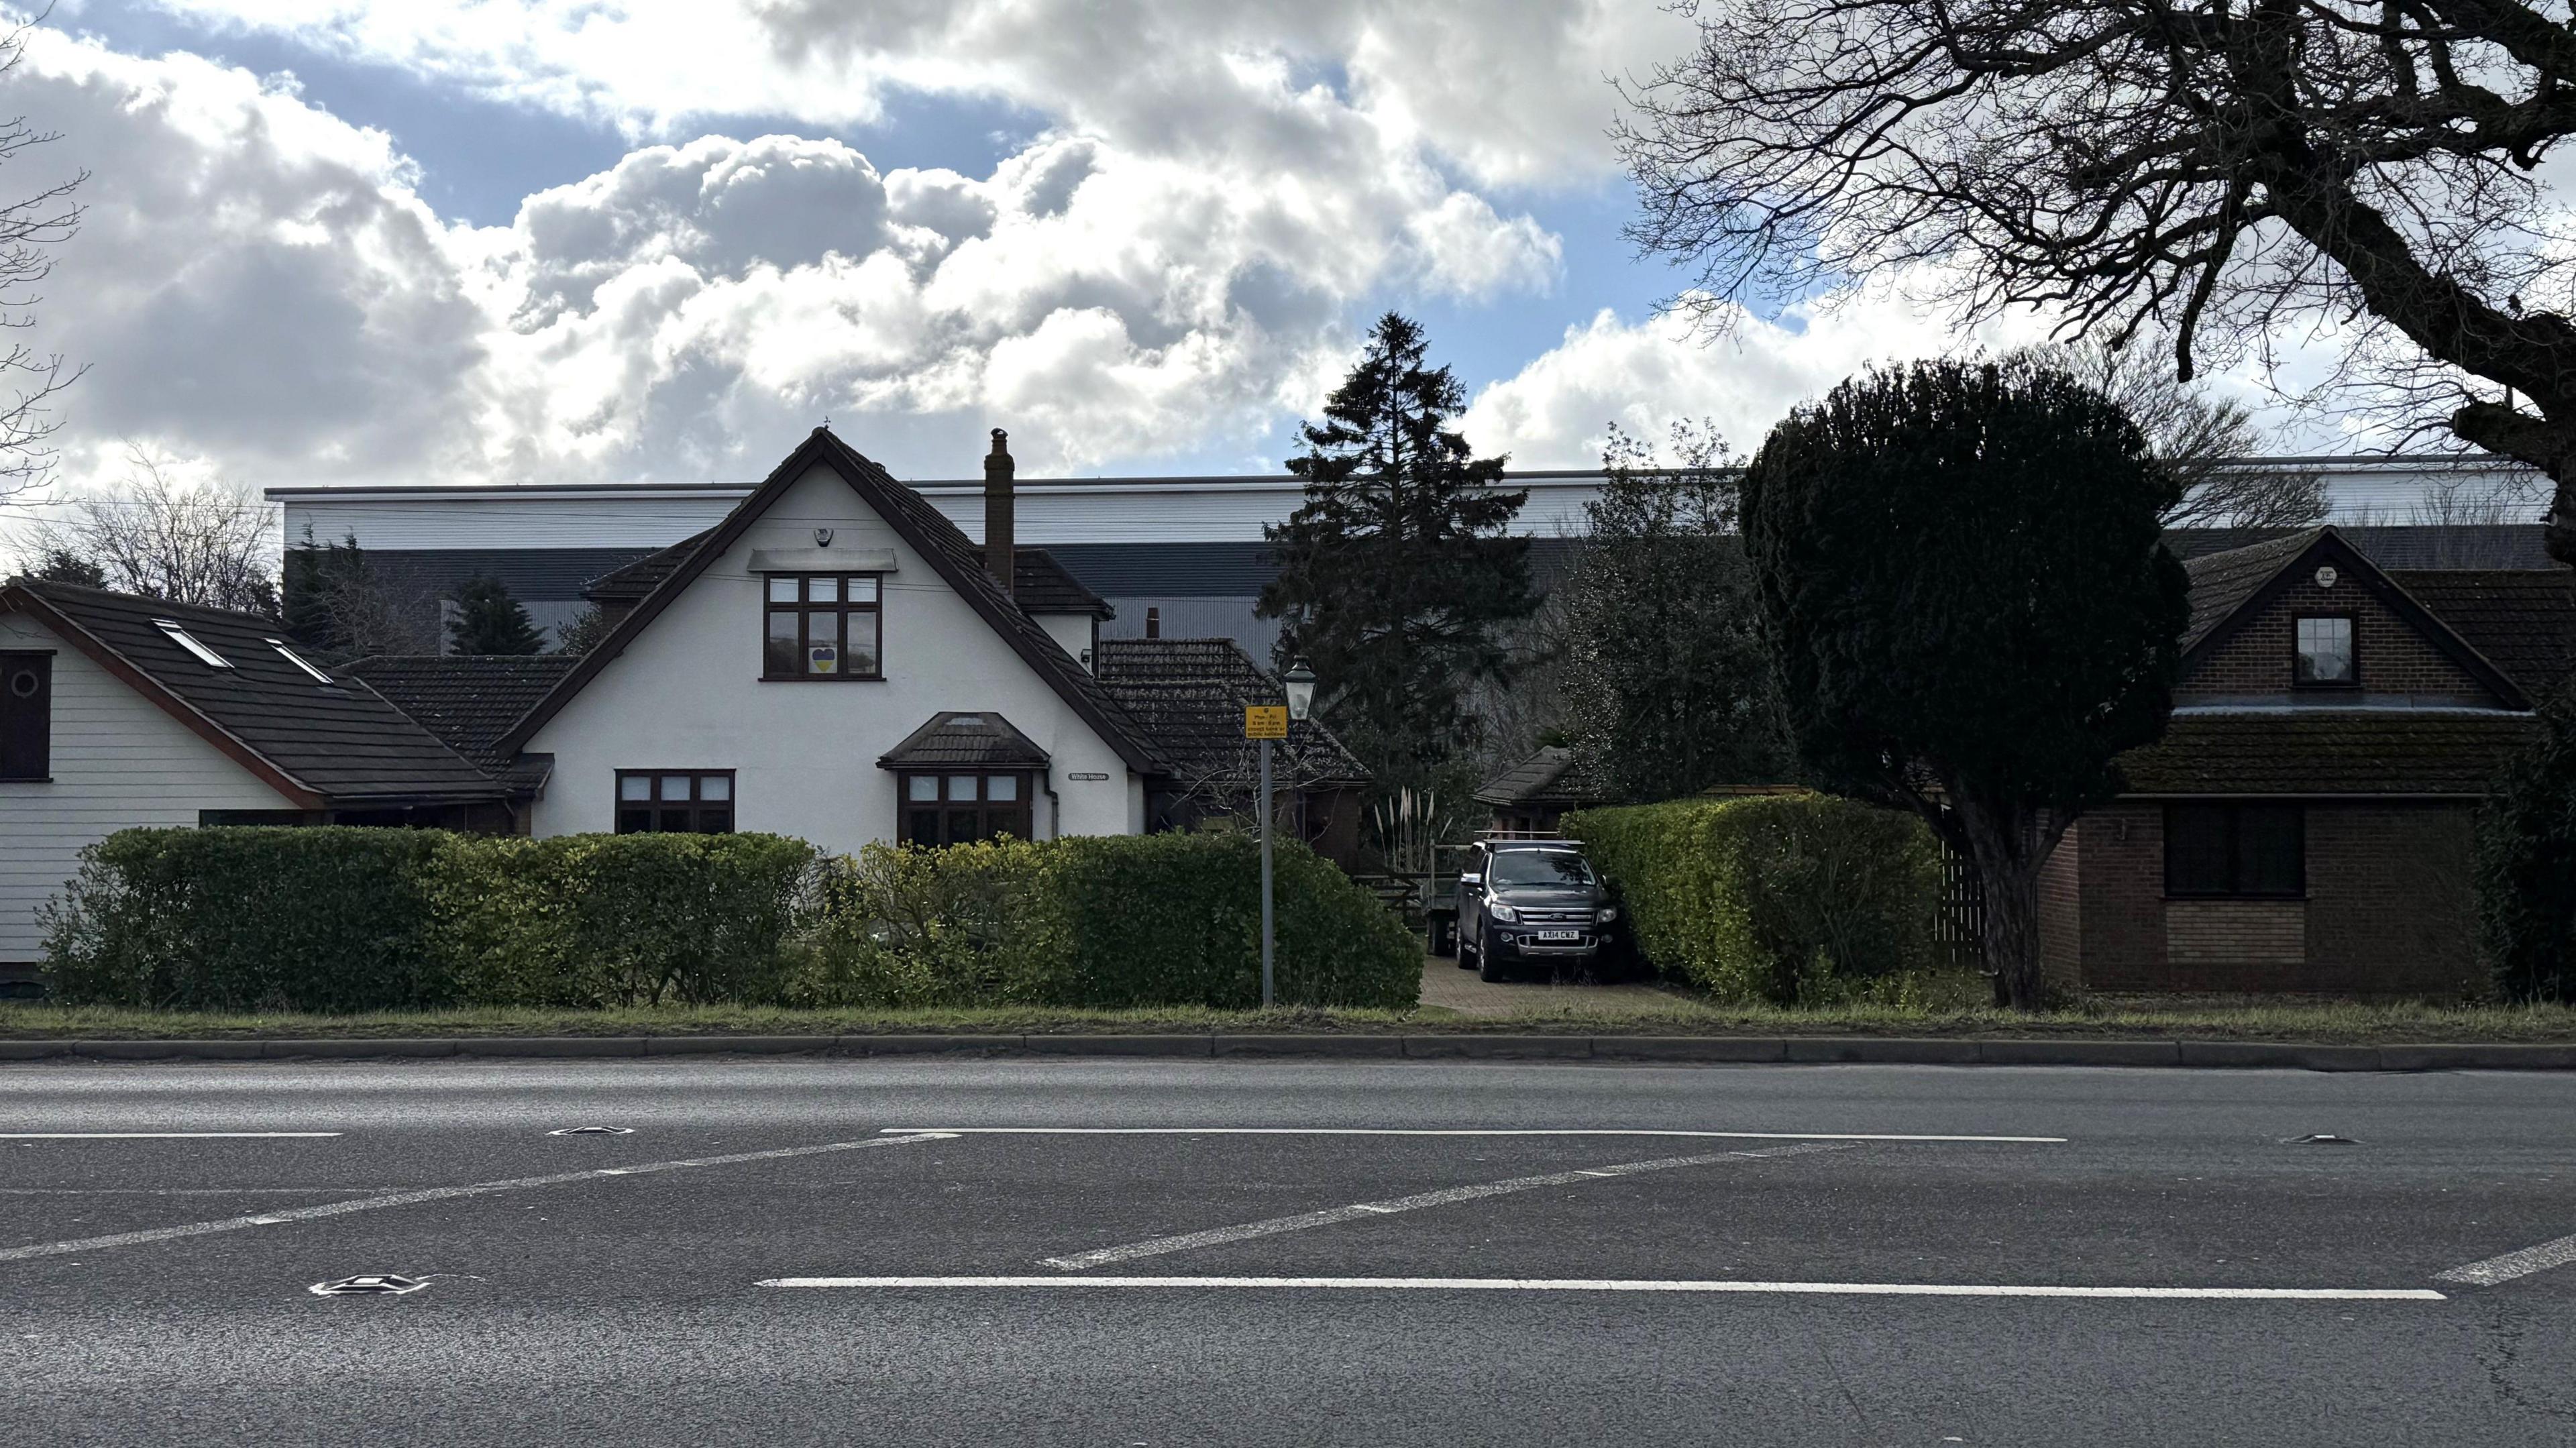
(2008, 845)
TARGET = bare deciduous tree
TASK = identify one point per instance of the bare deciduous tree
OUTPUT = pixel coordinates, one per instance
(2207, 174)
(206, 545)
(2209, 442)
(29, 227)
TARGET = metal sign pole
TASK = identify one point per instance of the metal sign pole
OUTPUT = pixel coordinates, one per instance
(1266, 813)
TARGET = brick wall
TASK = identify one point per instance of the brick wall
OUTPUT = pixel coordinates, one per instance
(2392, 910)
(2388, 909)
(2061, 910)
(2122, 925)
(2393, 657)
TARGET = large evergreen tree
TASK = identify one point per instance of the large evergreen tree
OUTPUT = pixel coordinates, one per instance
(1972, 616)
(1667, 686)
(489, 621)
(1396, 575)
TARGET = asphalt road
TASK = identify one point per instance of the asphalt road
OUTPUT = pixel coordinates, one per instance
(623, 1288)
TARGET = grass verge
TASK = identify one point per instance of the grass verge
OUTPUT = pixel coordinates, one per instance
(2340, 1022)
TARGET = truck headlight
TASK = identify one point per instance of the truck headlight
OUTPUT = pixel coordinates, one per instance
(1503, 913)
(1608, 914)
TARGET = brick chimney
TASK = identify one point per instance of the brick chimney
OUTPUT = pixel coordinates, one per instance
(998, 539)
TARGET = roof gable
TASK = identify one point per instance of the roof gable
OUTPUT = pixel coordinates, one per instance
(316, 743)
(928, 532)
(2230, 589)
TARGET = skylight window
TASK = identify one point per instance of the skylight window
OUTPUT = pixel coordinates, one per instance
(185, 640)
(297, 660)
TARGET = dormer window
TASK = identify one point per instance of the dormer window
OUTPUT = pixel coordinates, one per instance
(188, 641)
(821, 626)
(2325, 654)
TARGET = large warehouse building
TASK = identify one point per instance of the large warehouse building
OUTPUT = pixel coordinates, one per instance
(1179, 556)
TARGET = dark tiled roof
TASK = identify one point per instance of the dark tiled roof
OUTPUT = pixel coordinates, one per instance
(468, 700)
(2222, 582)
(2317, 752)
(639, 576)
(954, 737)
(1190, 694)
(2395, 545)
(341, 741)
(2522, 619)
(950, 554)
(1040, 585)
(1553, 776)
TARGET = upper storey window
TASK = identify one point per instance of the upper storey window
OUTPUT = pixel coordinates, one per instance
(822, 626)
(2325, 653)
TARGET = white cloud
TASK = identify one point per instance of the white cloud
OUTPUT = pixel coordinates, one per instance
(260, 285)
(1511, 90)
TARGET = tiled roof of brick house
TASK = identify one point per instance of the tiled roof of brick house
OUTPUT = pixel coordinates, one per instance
(2403, 752)
(2522, 619)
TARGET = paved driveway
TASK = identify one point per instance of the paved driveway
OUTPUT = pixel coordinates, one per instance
(1446, 986)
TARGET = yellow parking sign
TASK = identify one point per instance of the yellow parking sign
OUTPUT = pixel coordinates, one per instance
(1265, 721)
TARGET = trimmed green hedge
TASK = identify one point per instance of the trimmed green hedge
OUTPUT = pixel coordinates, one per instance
(1776, 897)
(358, 919)
(1104, 921)
(2526, 865)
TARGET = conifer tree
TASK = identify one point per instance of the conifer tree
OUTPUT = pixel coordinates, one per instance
(489, 621)
(1396, 575)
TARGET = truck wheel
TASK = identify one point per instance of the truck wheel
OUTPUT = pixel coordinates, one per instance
(1487, 969)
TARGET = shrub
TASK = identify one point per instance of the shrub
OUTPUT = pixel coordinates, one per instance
(1104, 921)
(327, 919)
(2526, 866)
(620, 920)
(1777, 897)
(911, 927)
(354, 919)
(1176, 920)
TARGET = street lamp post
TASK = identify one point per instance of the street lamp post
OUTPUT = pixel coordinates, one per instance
(1300, 681)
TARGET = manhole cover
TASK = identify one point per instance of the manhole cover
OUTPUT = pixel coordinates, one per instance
(371, 1284)
(592, 1131)
(2323, 1138)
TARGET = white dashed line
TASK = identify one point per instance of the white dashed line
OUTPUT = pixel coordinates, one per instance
(1219, 1236)
(1458, 1131)
(2494, 1270)
(437, 1194)
(162, 1135)
(1586, 1284)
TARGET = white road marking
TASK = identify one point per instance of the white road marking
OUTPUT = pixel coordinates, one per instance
(1455, 1131)
(161, 1135)
(1613, 1284)
(2511, 1265)
(439, 1194)
(191, 1191)
(1218, 1236)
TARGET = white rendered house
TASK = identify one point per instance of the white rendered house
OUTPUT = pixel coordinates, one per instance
(835, 661)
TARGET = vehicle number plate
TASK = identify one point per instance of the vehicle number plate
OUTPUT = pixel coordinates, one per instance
(1560, 935)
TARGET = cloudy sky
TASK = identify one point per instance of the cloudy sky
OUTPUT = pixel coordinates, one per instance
(629, 240)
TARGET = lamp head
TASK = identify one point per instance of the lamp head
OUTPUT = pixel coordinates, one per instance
(1301, 689)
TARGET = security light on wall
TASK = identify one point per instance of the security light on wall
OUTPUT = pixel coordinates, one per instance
(822, 537)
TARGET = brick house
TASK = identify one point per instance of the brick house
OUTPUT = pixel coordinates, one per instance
(2305, 825)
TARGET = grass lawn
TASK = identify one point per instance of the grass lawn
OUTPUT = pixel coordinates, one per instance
(1681, 1016)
